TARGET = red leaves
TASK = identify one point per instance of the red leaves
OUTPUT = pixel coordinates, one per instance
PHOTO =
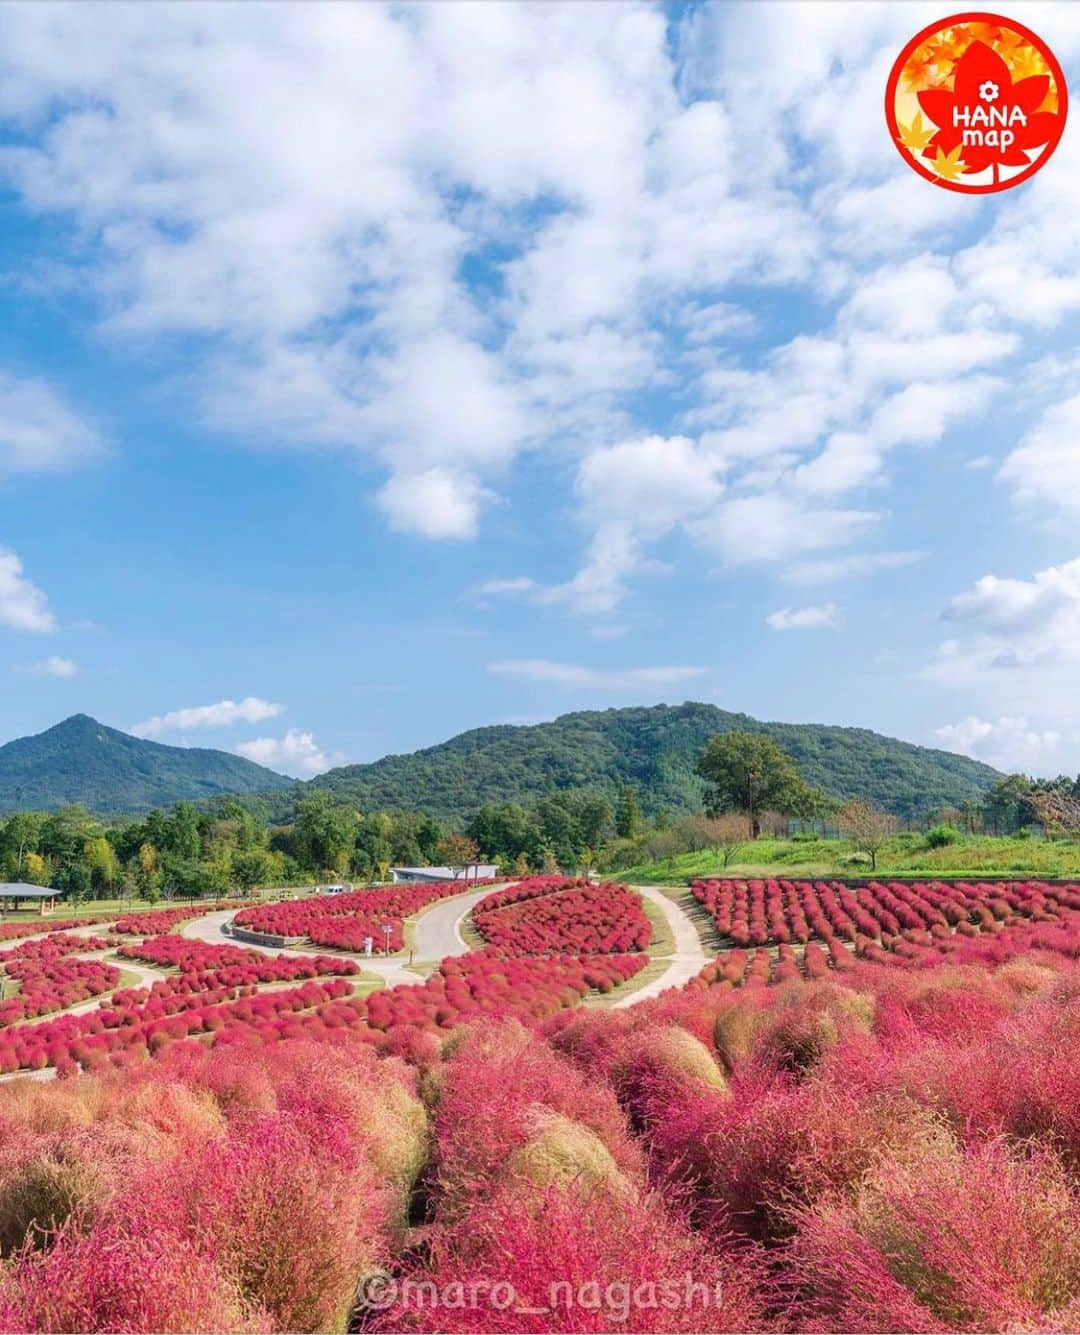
(557, 914)
(342, 922)
(988, 117)
(164, 920)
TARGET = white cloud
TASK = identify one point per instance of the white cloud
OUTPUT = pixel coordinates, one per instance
(446, 234)
(38, 431)
(631, 492)
(432, 504)
(495, 588)
(23, 606)
(1008, 744)
(1023, 621)
(773, 527)
(545, 671)
(1014, 653)
(223, 714)
(1044, 469)
(825, 617)
(295, 753)
(53, 666)
(827, 570)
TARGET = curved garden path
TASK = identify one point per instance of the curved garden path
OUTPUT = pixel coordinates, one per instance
(686, 960)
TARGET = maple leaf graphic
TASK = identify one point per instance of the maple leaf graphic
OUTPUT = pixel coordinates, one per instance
(977, 66)
(949, 165)
(916, 135)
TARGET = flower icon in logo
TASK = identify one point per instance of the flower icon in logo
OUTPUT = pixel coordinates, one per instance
(989, 91)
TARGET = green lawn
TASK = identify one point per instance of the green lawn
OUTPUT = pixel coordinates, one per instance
(903, 855)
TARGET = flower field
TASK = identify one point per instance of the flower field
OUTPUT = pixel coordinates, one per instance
(341, 922)
(49, 978)
(862, 1132)
(554, 914)
(164, 920)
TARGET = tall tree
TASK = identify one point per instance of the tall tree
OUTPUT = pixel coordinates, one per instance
(748, 772)
(627, 814)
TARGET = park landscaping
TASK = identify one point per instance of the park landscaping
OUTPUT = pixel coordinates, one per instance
(814, 1133)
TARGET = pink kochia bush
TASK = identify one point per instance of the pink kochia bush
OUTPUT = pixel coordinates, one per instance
(342, 922)
(888, 1144)
(256, 1201)
(553, 914)
(12, 931)
(230, 966)
(779, 912)
(164, 920)
(50, 978)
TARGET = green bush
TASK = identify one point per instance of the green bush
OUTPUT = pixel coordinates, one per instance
(940, 836)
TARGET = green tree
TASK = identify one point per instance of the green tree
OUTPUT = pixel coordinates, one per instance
(102, 863)
(324, 834)
(74, 881)
(457, 850)
(1006, 804)
(748, 772)
(627, 814)
(249, 868)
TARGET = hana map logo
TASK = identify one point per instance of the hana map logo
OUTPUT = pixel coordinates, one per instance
(976, 103)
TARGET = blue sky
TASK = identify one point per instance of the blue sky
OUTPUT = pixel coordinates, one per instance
(368, 374)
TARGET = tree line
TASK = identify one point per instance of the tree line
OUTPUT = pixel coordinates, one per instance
(753, 787)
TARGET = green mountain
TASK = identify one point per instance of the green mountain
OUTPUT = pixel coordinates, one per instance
(81, 760)
(652, 748)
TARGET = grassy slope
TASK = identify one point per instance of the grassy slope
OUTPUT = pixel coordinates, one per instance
(904, 855)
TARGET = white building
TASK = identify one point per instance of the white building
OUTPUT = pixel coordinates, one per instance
(475, 871)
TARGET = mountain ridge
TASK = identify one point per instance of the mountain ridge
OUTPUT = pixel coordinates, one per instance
(111, 772)
(650, 748)
(653, 749)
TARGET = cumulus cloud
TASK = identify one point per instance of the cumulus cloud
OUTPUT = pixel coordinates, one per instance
(1014, 652)
(592, 192)
(296, 753)
(543, 670)
(223, 714)
(1043, 471)
(1018, 622)
(825, 617)
(432, 504)
(23, 606)
(1009, 744)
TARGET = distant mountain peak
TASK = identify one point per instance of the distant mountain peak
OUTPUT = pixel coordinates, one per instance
(83, 760)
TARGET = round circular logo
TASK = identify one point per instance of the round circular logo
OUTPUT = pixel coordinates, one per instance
(976, 103)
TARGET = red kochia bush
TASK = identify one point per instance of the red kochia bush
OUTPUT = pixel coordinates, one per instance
(343, 921)
(579, 1263)
(552, 914)
(12, 931)
(164, 920)
(52, 982)
(230, 964)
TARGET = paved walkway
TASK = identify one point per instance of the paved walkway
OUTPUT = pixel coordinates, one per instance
(688, 959)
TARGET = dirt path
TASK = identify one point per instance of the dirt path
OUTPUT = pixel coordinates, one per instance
(688, 958)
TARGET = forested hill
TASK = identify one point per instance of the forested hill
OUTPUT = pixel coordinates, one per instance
(81, 760)
(652, 748)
